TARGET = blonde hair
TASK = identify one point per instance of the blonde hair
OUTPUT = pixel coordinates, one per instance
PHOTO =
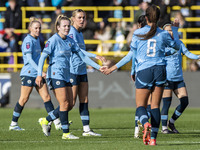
(33, 20)
(58, 20)
(74, 14)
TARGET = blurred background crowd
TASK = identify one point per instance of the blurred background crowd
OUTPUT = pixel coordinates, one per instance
(104, 30)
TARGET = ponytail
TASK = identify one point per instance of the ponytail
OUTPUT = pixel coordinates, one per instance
(152, 14)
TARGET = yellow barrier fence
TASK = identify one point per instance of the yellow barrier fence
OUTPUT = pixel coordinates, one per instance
(16, 66)
(96, 10)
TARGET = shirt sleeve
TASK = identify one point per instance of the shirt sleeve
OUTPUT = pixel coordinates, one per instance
(30, 61)
(133, 63)
(75, 47)
(28, 47)
(49, 46)
(187, 53)
(41, 63)
(88, 54)
(125, 60)
(88, 61)
(133, 44)
(175, 32)
(170, 42)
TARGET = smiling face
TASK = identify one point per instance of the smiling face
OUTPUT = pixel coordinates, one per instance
(79, 20)
(63, 28)
(35, 29)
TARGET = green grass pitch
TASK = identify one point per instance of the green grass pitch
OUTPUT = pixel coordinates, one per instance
(115, 124)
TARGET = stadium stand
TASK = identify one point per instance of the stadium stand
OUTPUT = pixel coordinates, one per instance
(190, 35)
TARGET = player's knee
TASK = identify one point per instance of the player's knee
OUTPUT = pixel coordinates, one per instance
(71, 105)
(23, 100)
(46, 98)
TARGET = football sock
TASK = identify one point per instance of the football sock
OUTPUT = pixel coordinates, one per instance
(64, 121)
(149, 111)
(136, 118)
(54, 114)
(180, 108)
(17, 112)
(49, 106)
(155, 122)
(84, 114)
(142, 114)
(165, 109)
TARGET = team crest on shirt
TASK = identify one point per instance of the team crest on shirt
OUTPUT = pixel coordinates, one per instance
(47, 44)
(71, 36)
(28, 45)
(70, 45)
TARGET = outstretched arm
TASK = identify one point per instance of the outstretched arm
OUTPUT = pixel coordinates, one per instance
(188, 53)
(122, 62)
(88, 61)
(103, 59)
(88, 54)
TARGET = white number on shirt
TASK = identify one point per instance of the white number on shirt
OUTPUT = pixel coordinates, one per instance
(151, 47)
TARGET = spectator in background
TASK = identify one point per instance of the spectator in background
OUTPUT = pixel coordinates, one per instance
(164, 16)
(44, 14)
(117, 13)
(143, 5)
(183, 23)
(13, 20)
(186, 12)
(119, 37)
(120, 13)
(89, 31)
(103, 34)
(130, 34)
(57, 12)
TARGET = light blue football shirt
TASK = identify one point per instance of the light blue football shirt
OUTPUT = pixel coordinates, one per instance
(77, 66)
(151, 52)
(174, 62)
(59, 52)
(30, 45)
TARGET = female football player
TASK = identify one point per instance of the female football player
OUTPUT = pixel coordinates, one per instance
(31, 53)
(175, 83)
(148, 45)
(59, 48)
(78, 71)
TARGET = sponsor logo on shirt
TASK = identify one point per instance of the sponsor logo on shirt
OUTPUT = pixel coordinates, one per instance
(66, 52)
(38, 50)
(28, 45)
